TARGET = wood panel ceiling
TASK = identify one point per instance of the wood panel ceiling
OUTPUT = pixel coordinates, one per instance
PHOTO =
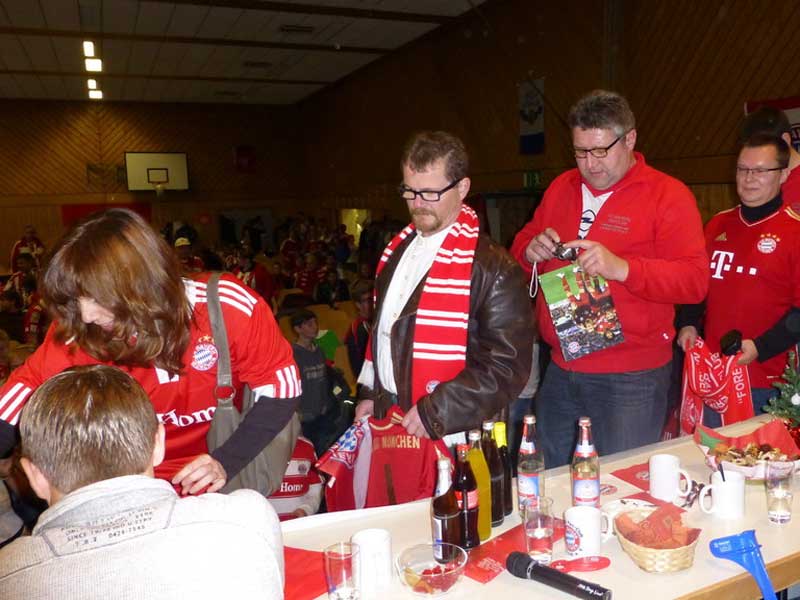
(241, 51)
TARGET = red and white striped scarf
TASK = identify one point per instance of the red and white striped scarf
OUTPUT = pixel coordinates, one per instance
(440, 330)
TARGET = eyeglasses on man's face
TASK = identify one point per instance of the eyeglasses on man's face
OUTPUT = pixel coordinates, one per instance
(755, 171)
(428, 195)
(601, 152)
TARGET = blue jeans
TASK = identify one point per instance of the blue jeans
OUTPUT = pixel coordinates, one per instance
(627, 410)
(761, 397)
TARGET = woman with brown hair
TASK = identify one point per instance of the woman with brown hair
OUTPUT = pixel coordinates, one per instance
(114, 291)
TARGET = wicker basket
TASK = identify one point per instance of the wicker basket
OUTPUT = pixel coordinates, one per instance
(652, 559)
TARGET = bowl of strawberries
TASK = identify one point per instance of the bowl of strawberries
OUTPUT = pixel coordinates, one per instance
(431, 569)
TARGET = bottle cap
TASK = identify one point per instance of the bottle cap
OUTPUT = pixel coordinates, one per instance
(529, 419)
(474, 434)
(462, 448)
(584, 421)
(488, 424)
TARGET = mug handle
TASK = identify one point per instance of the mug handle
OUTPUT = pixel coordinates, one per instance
(701, 500)
(606, 527)
(684, 493)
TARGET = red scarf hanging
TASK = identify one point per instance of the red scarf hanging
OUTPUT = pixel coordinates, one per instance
(440, 330)
(717, 381)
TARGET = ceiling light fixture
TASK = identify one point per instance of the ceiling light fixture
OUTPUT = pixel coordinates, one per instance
(94, 65)
(92, 83)
(96, 94)
(88, 49)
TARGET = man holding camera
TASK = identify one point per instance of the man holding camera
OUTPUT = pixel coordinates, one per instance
(755, 272)
(640, 230)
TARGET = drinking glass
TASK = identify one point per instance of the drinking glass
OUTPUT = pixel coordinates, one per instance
(339, 559)
(778, 483)
(537, 519)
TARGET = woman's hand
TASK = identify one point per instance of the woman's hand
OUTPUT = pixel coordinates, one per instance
(203, 474)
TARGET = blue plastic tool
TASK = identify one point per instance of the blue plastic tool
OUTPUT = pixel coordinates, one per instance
(743, 548)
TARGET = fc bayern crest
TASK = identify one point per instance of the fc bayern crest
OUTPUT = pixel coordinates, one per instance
(768, 243)
(431, 385)
(205, 354)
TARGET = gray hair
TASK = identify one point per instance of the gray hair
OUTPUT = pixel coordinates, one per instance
(601, 109)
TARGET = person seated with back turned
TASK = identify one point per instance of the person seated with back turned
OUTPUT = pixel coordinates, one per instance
(90, 442)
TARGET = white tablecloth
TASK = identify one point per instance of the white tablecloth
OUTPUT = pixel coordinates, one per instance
(410, 524)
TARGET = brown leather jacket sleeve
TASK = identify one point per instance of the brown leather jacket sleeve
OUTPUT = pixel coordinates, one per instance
(499, 349)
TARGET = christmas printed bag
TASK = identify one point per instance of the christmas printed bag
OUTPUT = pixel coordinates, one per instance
(582, 311)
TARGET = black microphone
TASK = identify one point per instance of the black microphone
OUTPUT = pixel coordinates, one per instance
(521, 565)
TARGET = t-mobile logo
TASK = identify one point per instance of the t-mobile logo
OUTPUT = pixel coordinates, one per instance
(722, 262)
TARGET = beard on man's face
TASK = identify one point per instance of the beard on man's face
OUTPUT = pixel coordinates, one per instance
(425, 220)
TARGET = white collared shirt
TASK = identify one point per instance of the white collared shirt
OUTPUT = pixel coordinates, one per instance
(414, 264)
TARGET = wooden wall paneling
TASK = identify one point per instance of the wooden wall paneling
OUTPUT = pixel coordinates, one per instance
(737, 66)
(689, 68)
(457, 78)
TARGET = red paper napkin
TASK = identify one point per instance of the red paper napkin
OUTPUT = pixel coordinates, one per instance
(638, 475)
(304, 574)
(488, 560)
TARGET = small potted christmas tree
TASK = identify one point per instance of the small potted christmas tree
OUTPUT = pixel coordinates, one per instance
(787, 404)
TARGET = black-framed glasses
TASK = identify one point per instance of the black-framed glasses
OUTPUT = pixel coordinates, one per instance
(428, 195)
(756, 171)
(597, 152)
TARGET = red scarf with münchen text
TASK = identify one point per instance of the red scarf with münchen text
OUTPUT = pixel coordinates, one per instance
(440, 329)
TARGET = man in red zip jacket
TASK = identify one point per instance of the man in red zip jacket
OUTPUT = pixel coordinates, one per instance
(639, 229)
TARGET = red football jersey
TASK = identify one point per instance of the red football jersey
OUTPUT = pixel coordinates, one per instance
(755, 280)
(400, 461)
(184, 403)
(302, 484)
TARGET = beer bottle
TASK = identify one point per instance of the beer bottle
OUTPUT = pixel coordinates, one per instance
(466, 491)
(530, 464)
(495, 464)
(445, 517)
(585, 469)
(481, 471)
(502, 447)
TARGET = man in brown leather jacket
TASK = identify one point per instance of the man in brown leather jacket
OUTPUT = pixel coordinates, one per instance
(453, 330)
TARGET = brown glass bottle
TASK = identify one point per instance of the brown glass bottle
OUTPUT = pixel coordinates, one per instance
(495, 464)
(502, 446)
(466, 489)
(445, 514)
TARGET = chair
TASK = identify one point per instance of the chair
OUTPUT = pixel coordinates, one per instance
(285, 292)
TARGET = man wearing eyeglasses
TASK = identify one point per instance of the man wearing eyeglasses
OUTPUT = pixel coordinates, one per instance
(773, 121)
(454, 331)
(639, 229)
(755, 272)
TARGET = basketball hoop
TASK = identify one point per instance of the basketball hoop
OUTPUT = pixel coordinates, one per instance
(158, 178)
(159, 188)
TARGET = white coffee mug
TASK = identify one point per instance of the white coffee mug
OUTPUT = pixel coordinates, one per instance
(585, 529)
(727, 497)
(665, 478)
(372, 570)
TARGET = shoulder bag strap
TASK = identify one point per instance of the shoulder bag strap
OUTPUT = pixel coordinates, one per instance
(224, 387)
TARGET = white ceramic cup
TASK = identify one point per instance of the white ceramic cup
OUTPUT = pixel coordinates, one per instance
(372, 570)
(586, 528)
(665, 478)
(727, 497)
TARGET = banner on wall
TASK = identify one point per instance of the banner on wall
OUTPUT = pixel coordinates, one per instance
(790, 106)
(531, 117)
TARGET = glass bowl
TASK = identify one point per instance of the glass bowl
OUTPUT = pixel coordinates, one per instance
(426, 575)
